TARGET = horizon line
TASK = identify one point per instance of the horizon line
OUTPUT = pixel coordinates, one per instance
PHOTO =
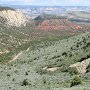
(45, 5)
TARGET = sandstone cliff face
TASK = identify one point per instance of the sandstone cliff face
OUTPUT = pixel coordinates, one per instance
(12, 18)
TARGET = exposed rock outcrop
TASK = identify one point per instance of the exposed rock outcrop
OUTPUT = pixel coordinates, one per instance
(51, 69)
(81, 66)
(6, 51)
(12, 18)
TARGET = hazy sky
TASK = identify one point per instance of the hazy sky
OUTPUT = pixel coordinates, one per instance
(47, 2)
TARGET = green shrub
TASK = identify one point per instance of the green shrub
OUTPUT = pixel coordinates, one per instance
(8, 75)
(26, 73)
(13, 79)
(25, 82)
(64, 54)
(64, 69)
(72, 70)
(88, 68)
(75, 81)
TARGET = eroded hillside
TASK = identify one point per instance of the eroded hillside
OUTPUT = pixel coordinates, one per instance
(62, 24)
(11, 17)
(59, 24)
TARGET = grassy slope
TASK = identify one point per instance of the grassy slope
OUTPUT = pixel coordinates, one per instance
(29, 64)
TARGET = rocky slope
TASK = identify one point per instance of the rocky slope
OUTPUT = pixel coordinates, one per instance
(81, 66)
(12, 17)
